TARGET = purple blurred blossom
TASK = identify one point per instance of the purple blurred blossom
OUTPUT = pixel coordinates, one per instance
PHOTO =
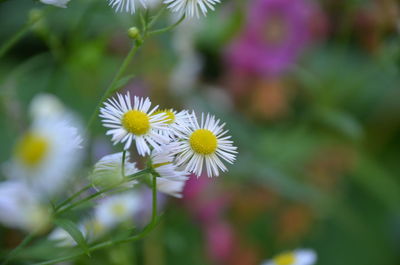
(276, 32)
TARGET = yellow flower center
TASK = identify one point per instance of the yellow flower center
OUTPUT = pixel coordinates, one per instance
(136, 122)
(285, 259)
(203, 142)
(118, 209)
(169, 116)
(31, 149)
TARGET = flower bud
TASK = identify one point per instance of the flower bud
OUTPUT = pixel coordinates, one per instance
(134, 33)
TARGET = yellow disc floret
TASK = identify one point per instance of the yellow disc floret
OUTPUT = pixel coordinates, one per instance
(169, 116)
(136, 122)
(203, 142)
(285, 259)
(31, 149)
(118, 209)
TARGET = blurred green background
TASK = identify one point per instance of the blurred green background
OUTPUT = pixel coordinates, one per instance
(319, 143)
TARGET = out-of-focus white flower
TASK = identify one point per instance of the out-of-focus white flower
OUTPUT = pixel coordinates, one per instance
(46, 156)
(174, 122)
(205, 143)
(58, 3)
(45, 106)
(185, 74)
(191, 8)
(128, 123)
(126, 5)
(296, 257)
(172, 179)
(117, 209)
(108, 171)
(20, 207)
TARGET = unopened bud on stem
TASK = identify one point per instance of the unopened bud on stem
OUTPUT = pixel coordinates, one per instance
(134, 33)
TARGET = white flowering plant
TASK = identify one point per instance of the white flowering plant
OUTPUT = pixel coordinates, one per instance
(160, 148)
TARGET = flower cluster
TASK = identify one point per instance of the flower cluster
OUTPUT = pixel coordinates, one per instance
(174, 140)
(43, 162)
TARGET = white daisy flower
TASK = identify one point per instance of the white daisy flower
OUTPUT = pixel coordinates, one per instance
(296, 257)
(191, 8)
(116, 209)
(58, 3)
(46, 156)
(207, 142)
(20, 207)
(172, 180)
(126, 5)
(174, 122)
(108, 170)
(137, 123)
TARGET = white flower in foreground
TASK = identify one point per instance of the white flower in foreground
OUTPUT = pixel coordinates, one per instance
(58, 3)
(205, 143)
(174, 122)
(296, 257)
(117, 209)
(46, 156)
(20, 207)
(128, 123)
(126, 5)
(172, 180)
(108, 171)
(191, 8)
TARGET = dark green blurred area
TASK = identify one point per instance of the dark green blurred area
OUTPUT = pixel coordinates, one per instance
(319, 147)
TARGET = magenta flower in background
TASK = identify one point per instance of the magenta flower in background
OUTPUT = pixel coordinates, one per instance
(276, 32)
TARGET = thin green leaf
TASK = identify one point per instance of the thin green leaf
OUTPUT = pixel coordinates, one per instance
(122, 82)
(74, 232)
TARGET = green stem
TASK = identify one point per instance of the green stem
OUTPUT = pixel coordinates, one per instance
(154, 189)
(73, 197)
(14, 39)
(20, 34)
(97, 194)
(111, 88)
(123, 164)
(109, 243)
(15, 251)
(159, 31)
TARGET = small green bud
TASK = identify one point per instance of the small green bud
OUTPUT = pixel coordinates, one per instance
(35, 15)
(105, 179)
(134, 33)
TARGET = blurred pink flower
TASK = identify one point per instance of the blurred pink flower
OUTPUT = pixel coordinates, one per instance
(219, 241)
(275, 34)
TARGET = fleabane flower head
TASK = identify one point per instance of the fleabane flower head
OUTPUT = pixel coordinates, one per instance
(174, 122)
(296, 257)
(172, 179)
(108, 170)
(117, 209)
(191, 8)
(20, 207)
(58, 3)
(135, 122)
(205, 143)
(126, 5)
(46, 155)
